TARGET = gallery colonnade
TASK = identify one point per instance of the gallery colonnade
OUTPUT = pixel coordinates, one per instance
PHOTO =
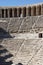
(32, 10)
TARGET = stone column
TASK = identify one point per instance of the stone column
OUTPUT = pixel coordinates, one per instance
(42, 9)
(13, 12)
(33, 11)
(26, 11)
(17, 12)
(38, 10)
(8, 14)
(22, 12)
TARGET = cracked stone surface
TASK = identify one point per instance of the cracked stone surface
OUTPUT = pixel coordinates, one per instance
(27, 52)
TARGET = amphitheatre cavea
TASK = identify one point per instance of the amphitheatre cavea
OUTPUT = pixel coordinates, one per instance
(21, 35)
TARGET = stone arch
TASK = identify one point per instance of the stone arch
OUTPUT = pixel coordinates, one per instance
(15, 12)
(2, 13)
(24, 12)
(10, 12)
(29, 11)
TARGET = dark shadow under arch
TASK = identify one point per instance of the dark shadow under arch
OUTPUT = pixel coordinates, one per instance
(20, 11)
(34, 11)
(19, 64)
(29, 11)
(2, 13)
(10, 12)
(24, 12)
(15, 12)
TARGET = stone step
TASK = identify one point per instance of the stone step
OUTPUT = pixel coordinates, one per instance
(27, 51)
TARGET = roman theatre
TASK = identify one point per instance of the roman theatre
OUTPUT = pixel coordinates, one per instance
(21, 35)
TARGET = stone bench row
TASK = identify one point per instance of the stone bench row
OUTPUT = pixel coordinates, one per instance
(21, 24)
